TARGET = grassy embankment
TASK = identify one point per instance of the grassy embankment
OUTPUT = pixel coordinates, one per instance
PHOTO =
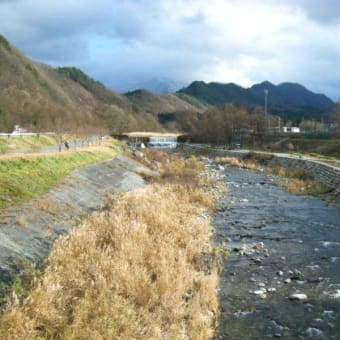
(142, 269)
(295, 181)
(29, 176)
(25, 142)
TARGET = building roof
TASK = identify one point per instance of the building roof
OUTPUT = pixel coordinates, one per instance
(140, 134)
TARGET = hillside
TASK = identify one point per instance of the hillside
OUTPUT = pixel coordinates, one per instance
(289, 99)
(146, 101)
(32, 94)
(40, 97)
(99, 90)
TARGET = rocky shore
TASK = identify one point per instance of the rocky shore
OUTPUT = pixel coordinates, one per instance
(282, 278)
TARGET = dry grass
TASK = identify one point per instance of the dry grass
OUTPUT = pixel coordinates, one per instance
(130, 272)
(173, 169)
(20, 220)
(297, 173)
(297, 182)
(246, 164)
(304, 187)
(294, 180)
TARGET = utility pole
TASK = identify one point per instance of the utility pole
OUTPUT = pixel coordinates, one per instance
(266, 105)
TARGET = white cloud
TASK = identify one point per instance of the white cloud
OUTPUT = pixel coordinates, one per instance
(243, 41)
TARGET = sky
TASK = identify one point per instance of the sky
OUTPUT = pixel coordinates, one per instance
(128, 44)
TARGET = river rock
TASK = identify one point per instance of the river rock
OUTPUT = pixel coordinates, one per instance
(298, 296)
(314, 333)
(317, 322)
(308, 306)
(259, 291)
(330, 314)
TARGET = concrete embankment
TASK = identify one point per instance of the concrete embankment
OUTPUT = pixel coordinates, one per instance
(30, 231)
(326, 174)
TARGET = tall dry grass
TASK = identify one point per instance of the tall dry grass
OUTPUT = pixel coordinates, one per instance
(297, 182)
(172, 168)
(246, 164)
(131, 272)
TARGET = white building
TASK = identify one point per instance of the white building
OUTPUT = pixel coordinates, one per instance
(155, 140)
(291, 129)
(18, 130)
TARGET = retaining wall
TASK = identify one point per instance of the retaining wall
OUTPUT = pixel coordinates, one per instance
(30, 231)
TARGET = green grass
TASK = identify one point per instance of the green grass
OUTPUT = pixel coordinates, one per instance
(17, 280)
(23, 178)
(25, 142)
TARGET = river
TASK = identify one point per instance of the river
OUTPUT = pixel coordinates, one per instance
(282, 278)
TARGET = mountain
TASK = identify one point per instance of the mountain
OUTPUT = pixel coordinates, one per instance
(291, 95)
(99, 90)
(217, 94)
(37, 96)
(290, 99)
(156, 84)
(146, 101)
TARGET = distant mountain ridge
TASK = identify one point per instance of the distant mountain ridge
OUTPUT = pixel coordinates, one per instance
(158, 102)
(41, 97)
(290, 97)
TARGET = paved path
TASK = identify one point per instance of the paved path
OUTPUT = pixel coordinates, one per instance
(93, 140)
(332, 163)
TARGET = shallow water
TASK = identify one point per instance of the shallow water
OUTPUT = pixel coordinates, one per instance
(280, 244)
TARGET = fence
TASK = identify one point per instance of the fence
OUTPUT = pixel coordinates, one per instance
(20, 134)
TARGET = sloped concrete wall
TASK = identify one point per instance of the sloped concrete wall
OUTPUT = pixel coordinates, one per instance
(29, 231)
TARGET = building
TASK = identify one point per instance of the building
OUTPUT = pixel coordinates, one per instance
(18, 130)
(155, 140)
(291, 129)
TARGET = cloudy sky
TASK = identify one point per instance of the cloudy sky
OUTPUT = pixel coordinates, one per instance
(131, 43)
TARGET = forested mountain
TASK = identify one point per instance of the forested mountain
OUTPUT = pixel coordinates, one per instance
(288, 99)
(291, 95)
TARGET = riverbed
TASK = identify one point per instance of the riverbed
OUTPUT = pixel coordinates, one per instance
(282, 278)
